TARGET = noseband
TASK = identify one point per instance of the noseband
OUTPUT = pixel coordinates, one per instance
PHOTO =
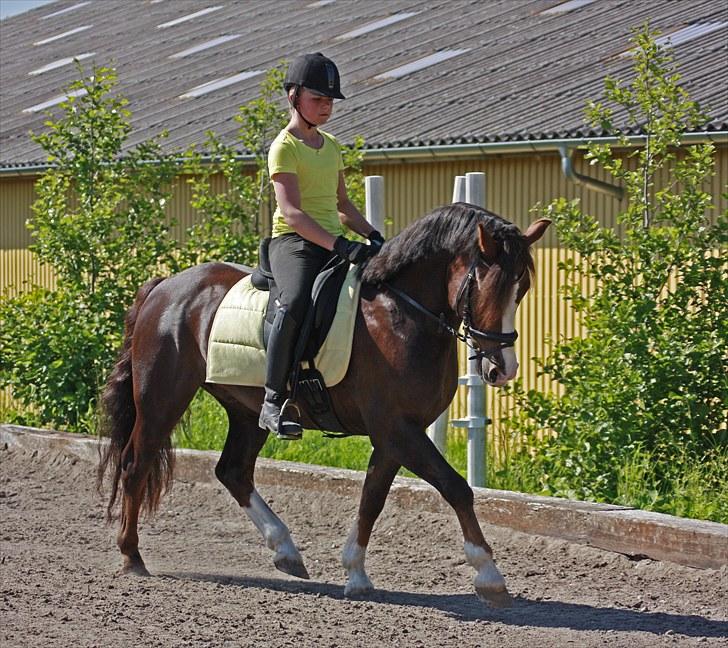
(470, 334)
(504, 340)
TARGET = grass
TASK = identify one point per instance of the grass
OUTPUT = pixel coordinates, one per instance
(204, 427)
(692, 488)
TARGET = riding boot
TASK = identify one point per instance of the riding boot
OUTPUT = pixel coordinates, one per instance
(279, 358)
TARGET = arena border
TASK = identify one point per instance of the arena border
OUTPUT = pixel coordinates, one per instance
(633, 532)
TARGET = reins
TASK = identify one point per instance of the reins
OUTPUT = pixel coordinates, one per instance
(469, 334)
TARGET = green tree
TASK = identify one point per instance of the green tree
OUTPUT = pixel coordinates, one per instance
(229, 223)
(649, 377)
(99, 222)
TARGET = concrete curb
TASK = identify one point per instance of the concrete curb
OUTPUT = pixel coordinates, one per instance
(615, 528)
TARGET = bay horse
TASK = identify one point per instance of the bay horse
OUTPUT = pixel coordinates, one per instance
(459, 262)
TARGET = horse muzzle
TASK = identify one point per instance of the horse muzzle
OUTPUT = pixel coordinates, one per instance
(499, 369)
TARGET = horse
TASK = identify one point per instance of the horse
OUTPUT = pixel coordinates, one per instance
(458, 265)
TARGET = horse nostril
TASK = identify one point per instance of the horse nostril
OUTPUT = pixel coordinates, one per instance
(493, 375)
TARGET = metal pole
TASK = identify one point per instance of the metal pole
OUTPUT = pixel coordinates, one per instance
(374, 191)
(458, 190)
(476, 420)
(438, 430)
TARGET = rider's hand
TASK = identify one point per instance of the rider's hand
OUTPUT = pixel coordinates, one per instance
(376, 241)
(352, 251)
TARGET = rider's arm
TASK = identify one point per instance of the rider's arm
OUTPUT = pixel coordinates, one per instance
(348, 213)
(288, 198)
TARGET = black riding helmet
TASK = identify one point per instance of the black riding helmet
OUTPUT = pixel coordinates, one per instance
(314, 72)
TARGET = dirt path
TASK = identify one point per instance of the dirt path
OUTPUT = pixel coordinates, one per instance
(215, 585)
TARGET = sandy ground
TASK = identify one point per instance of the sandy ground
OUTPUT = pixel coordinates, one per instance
(214, 583)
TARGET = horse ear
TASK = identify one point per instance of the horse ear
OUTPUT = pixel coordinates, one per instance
(536, 230)
(488, 245)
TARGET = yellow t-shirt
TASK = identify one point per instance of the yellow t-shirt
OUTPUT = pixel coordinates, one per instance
(318, 178)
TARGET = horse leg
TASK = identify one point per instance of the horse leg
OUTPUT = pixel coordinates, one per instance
(147, 463)
(138, 461)
(417, 453)
(133, 477)
(235, 470)
(380, 474)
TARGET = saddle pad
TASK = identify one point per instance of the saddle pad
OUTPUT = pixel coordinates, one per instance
(235, 352)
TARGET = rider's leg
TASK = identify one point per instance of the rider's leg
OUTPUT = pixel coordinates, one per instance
(295, 263)
(279, 357)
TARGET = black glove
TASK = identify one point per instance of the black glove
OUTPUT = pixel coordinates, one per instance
(352, 251)
(376, 240)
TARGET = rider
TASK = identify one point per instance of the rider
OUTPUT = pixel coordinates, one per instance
(307, 172)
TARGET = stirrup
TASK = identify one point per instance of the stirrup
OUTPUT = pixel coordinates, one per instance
(289, 429)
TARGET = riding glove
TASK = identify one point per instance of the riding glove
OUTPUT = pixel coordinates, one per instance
(376, 241)
(352, 251)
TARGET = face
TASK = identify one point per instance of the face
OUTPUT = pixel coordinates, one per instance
(313, 107)
(500, 365)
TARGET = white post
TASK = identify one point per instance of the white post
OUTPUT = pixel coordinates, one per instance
(476, 420)
(438, 430)
(374, 190)
(458, 191)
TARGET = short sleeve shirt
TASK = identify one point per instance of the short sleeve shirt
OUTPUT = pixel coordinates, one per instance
(318, 178)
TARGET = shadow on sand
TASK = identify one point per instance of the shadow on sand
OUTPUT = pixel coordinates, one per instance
(466, 607)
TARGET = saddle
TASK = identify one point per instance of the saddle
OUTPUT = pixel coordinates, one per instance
(307, 382)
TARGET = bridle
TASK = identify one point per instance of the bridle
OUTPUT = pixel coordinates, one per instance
(470, 334)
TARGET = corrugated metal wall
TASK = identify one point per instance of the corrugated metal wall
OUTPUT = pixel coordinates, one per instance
(515, 184)
(17, 264)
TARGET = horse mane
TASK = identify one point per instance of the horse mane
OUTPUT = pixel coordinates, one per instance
(450, 231)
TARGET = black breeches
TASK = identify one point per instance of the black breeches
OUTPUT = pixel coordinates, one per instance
(295, 263)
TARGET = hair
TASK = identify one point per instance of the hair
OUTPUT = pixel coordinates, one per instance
(451, 231)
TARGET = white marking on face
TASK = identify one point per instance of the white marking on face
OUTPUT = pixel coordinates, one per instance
(275, 533)
(352, 558)
(488, 576)
(509, 326)
(510, 362)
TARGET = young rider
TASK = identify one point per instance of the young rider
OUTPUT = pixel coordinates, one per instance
(306, 169)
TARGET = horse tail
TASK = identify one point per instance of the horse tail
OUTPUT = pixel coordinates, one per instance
(118, 415)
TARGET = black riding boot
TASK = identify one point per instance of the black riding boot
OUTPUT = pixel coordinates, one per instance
(279, 357)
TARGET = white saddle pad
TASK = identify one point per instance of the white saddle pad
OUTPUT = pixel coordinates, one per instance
(235, 353)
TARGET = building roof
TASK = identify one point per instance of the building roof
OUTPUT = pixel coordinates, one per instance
(499, 70)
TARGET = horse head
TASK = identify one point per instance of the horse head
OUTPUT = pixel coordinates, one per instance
(485, 290)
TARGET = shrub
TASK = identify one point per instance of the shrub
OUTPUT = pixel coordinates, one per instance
(649, 378)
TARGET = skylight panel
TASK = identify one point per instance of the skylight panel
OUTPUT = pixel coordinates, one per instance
(682, 35)
(689, 33)
(377, 24)
(55, 101)
(61, 63)
(63, 35)
(420, 64)
(570, 5)
(203, 46)
(191, 16)
(216, 84)
(66, 10)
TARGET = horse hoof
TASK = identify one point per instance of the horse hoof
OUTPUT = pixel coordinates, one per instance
(495, 598)
(134, 569)
(291, 566)
(358, 587)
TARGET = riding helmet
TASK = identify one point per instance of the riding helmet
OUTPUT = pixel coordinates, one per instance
(314, 72)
